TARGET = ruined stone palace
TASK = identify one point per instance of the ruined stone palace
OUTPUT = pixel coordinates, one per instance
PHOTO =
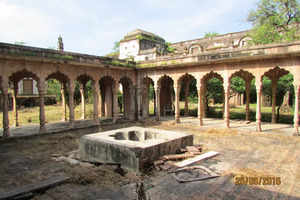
(223, 57)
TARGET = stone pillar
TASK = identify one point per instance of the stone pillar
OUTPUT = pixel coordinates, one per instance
(274, 88)
(186, 95)
(100, 102)
(131, 103)
(145, 100)
(63, 102)
(139, 103)
(82, 88)
(154, 103)
(226, 103)
(157, 99)
(15, 106)
(42, 92)
(96, 101)
(248, 88)
(200, 102)
(204, 100)
(115, 102)
(139, 99)
(296, 112)
(108, 100)
(6, 131)
(258, 104)
(127, 99)
(177, 108)
(71, 88)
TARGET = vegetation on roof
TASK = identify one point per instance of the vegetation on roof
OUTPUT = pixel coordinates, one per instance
(210, 34)
(119, 63)
(115, 50)
(39, 54)
(169, 48)
(149, 37)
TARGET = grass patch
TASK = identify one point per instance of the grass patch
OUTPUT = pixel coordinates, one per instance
(30, 116)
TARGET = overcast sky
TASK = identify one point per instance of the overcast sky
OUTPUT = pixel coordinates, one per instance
(92, 26)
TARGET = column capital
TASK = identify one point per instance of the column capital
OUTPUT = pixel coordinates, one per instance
(198, 85)
(5, 85)
(226, 85)
(247, 84)
(41, 86)
(71, 86)
(81, 86)
(258, 84)
(177, 86)
(156, 87)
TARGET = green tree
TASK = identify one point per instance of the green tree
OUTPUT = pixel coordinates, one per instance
(215, 90)
(54, 88)
(210, 34)
(274, 21)
(284, 84)
(115, 50)
(237, 84)
(20, 42)
(169, 48)
(116, 47)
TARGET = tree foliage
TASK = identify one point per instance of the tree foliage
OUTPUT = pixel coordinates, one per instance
(54, 88)
(215, 90)
(274, 21)
(237, 85)
(210, 34)
(116, 47)
(20, 43)
(115, 50)
(169, 48)
(284, 84)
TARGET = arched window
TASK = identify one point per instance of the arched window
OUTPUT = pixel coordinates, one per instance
(195, 49)
(244, 42)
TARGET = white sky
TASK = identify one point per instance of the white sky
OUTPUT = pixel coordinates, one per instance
(92, 27)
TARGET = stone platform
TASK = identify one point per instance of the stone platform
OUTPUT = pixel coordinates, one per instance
(134, 148)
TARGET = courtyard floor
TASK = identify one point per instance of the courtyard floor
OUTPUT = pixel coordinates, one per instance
(272, 153)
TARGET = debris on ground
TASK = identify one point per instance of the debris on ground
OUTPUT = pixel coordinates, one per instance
(194, 173)
(187, 156)
(140, 191)
(71, 161)
(196, 159)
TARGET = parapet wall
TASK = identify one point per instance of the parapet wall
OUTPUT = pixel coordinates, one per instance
(216, 43)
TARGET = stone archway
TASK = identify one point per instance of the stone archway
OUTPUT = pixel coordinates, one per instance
(274, 75)
(247, 77)
(27, 83)
(127, 104)
(147, 84)
(85, 83)
(186, 81)
(166, 96)
(207, 97)
(63, 80)
(107, 85)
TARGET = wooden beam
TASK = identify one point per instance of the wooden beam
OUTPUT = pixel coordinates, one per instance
(35, 187)
(196, 159)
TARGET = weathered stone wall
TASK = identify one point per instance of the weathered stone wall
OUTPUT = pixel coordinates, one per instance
(217, 43)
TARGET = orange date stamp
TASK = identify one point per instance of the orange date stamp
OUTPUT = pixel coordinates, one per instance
(257, 180)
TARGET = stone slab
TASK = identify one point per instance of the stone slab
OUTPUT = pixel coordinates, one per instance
(134, 148)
